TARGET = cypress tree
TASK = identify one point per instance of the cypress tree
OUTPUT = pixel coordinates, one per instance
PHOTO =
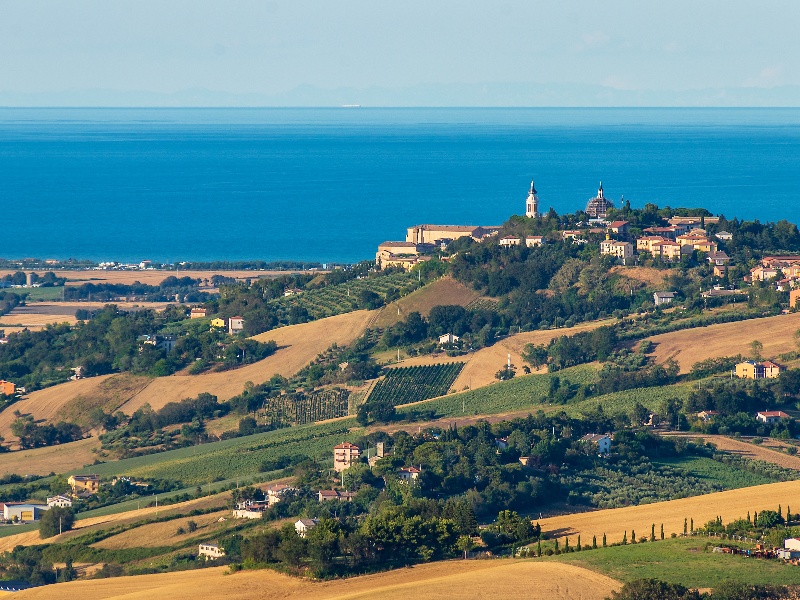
(685, 525)
(578, 547)
(633, 536)
(604, 540)
(556, 540)
(594, 542)
(755, 517)
(624, 538)
(779, 511)
(748, 517)
(788, 513)
(653, 532)
(662, 531)
(691, 525)
(566, 545)
(539, 548)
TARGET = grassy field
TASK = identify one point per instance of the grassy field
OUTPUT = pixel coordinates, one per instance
(460, 580)
(624, 401)
(684, 560)
(728, 476)
(519, 393)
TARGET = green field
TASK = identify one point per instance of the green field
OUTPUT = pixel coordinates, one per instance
(238, 457)
(624, 401)
(405, 385)
(684, 561)
(41, 293)
(728, 476)
(529, 391)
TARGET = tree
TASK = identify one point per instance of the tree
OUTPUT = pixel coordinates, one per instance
(464, 544)
(653, 589)
(755, 350)
(55, 521)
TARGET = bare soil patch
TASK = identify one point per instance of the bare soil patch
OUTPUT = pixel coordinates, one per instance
(647, 275)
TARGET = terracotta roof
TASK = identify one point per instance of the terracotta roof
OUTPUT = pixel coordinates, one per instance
(346, 446)
(773, 413)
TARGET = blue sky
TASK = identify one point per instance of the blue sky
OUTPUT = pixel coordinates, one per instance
(67, 49)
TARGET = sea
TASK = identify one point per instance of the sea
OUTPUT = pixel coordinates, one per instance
(329, 184)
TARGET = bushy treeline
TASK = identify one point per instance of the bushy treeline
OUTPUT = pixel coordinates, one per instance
(185, 289)
(654, 589)
(110, 342)
(33, 435)
(479, 325)
(9, 301)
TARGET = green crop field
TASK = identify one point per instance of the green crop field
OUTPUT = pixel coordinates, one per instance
(238, 457)
(684, 560)
(728, 476)
(41, 293)
(405, 385)
(624, 401)
(529, 391)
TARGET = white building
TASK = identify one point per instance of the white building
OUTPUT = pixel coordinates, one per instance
(303, 526)
(509, 240)
(660, 298)
(235, 324)
(211, 551)
(60, 501)
(614, 248)
(408, 474)
(602, 441)
(448, 338)
(532, 241)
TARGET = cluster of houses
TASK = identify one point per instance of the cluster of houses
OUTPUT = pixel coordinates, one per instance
(233, 325)
(751, 369)
(785, 270)
(81, 486)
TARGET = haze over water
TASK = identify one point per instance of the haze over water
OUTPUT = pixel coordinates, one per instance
(330, 184)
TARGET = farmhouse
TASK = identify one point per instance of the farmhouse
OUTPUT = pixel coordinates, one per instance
(509, 240)
(278, 491)
(211, 551)
(60, 501)
(344, 455)
(707, 415)
(448, 338)
(750, 369)
(771, 416)
(252, 511)
(601, 441)
(334, 495)
(84, 483)
(219, 323)
(24, 512)
(198, 312)
(660, 298)
(303, 526)
(408, 474)
(235, 324)
(534, 240)
(725, 236)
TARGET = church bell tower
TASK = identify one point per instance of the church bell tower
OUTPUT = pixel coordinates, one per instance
(532, 203)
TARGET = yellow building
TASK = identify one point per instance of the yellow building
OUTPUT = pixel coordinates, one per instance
(217, 322)
(84, 483)
(615, 248)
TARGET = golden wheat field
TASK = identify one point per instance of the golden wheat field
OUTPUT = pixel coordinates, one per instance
(728, 339)
(729, 505)
(510, 580)
(51, 459)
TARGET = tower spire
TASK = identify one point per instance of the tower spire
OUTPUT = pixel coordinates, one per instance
(532, 203)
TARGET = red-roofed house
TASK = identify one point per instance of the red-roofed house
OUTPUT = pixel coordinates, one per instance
(771, 416)
(408, 474)
(620, 227)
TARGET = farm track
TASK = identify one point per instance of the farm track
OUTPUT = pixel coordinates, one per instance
(769, 451)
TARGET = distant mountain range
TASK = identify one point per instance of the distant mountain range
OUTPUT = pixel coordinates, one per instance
(432, 95)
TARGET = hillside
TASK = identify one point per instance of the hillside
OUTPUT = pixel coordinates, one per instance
(727, 339)
(297, 346)
(452, 579)
(730, 505)
(442, 292)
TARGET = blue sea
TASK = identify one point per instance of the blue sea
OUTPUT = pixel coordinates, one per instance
(328, 185)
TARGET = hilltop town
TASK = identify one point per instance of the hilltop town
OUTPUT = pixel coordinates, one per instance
(510, 390)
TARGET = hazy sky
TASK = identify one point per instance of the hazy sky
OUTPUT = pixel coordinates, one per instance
(271, 47)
